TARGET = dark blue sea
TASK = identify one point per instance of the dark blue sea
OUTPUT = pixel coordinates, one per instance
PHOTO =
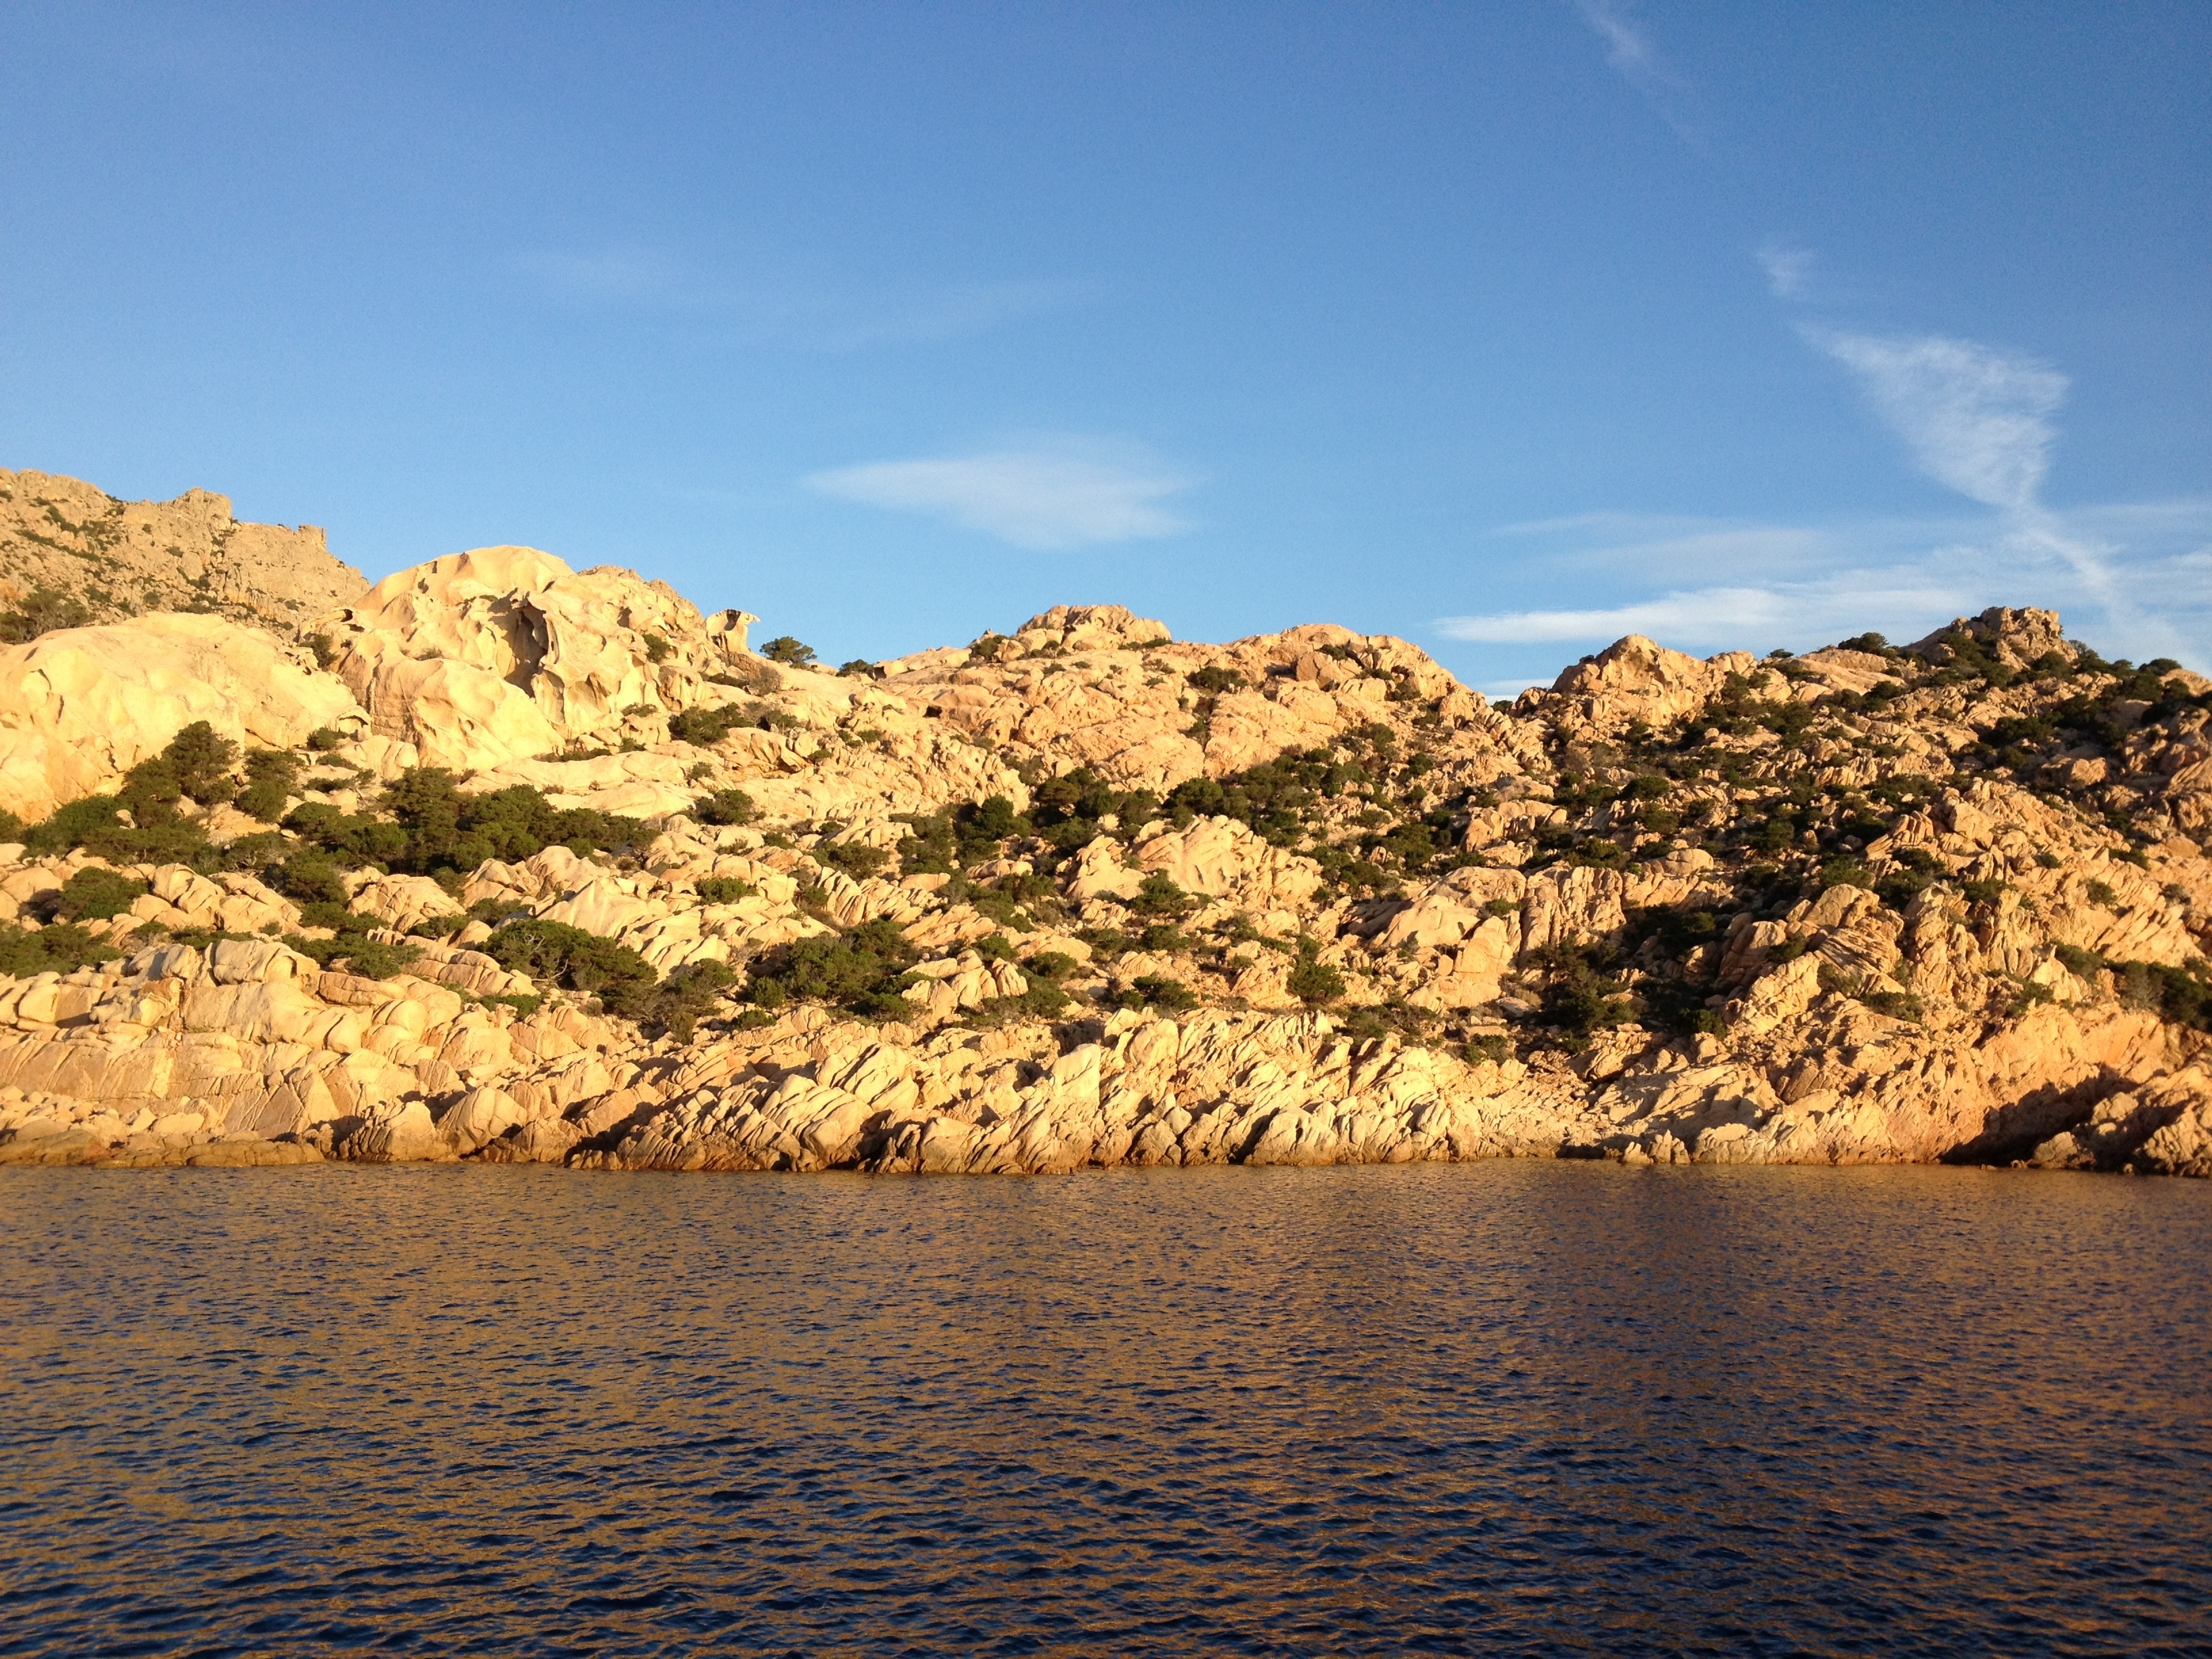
(1498, 1408)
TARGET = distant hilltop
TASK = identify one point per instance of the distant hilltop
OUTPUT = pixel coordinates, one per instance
(504, 861)
(70, 554)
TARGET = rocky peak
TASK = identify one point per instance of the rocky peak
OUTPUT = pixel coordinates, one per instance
(70, 554)
(1635, 679)
(2018, 638)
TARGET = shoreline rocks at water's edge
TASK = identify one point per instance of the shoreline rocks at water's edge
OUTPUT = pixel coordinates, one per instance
(1297, 899)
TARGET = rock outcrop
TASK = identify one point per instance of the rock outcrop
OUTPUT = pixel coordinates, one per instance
(81, 707)
(88, 558)
(517, 863)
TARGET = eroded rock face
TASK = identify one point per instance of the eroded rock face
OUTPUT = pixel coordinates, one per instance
(504, 653)
(119, 559)
(1297, 898)
(80, 707)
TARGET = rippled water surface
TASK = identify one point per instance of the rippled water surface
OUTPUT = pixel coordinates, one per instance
(1500, 1407)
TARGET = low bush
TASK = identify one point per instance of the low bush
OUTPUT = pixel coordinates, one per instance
(93, 894)
(854, 858)
(357, 953)
(574, 960)
(1158, 896)
(862, 969)
(44, 610)
(1042, 1000)
(723, 806)
(1159, 991)
(1312, 981)
(62, 948)
(724, 889)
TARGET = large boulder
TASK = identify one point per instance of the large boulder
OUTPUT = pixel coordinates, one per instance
(81, 707)
(1637, 680)
(504, 653)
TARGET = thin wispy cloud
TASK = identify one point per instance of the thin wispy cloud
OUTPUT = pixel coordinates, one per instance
(1629, 51)
(803, 315)
(1903, 577)
(1787, 269)
(1977, 419)
(1045, 498)
(1740, 617)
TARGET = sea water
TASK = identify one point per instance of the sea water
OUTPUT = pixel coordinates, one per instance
(1504, 1408)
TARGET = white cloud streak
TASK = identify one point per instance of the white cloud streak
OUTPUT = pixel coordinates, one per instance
(1787, 269)
(1979, 421)
(1902, 577)
(1742, 618)
(807, 316)
(1628, 52)
(1046, 499)
(1976, 419)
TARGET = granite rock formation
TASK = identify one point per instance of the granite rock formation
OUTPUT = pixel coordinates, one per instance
(71, 554)
(505, 861)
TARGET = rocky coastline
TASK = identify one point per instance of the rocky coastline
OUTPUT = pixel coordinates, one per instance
(503, 861)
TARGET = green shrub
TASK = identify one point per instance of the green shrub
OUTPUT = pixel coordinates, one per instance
(93, 894)
(575, 960)
(438, 927)
(724, 889)
(723, 806)
(1987, 891)
(1107, 942)
(371, 958)
(1599, 854)
(1494, 1047)
(787, 651)
(196, 763)
(1897, 1004)
(1213, 681)
(705, 728)
(2181, 995)
(1159, 991)
(43, 611)
(1049, 964)
(62, 948)
(271, 776)
(1158, 896)
(855, 859)
(993, 947)
(1312, 981)
(1583, 995)
(324, 739)
(435, 827)
(311, 877)
(2101, 893)
(1845, 871)
(862, 968)
(677, 1003)
(1163, 937)
(1042, 1000)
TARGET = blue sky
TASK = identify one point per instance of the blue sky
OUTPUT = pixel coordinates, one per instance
(1505, 328)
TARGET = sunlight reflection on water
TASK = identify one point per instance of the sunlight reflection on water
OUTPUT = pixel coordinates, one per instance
(1500, 1407)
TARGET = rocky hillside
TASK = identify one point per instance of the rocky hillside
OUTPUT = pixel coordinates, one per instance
(70, 554)
(506, 861)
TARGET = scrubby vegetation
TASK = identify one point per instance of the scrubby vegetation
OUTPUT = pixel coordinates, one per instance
(863, 969)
